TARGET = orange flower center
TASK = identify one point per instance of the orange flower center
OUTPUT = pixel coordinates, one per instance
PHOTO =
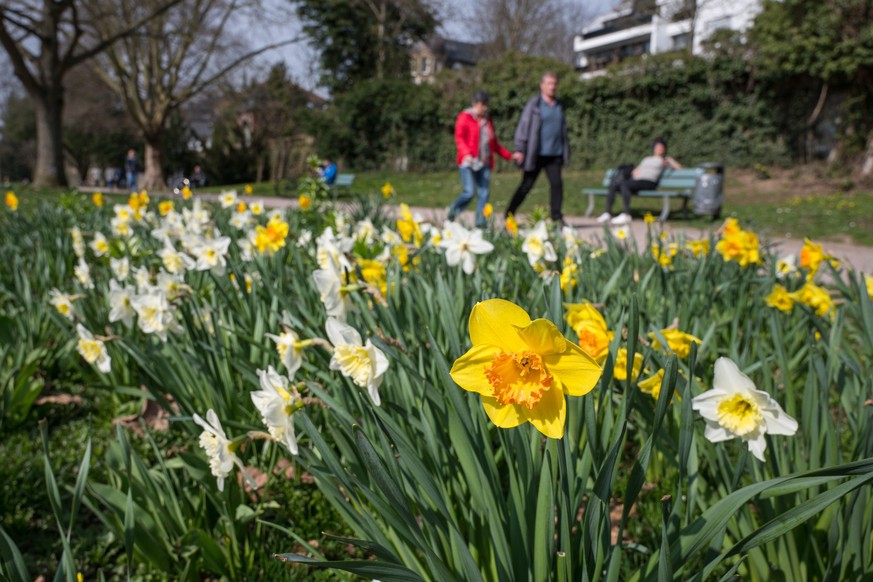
(518, 378)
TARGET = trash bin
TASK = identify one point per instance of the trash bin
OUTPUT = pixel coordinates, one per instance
(709, 190)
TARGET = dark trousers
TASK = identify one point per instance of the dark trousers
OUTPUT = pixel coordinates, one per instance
(628, 187)
(552, 166)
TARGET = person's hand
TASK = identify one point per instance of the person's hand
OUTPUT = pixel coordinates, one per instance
(518, 158)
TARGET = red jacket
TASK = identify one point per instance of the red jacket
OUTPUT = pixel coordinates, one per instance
(467, 138)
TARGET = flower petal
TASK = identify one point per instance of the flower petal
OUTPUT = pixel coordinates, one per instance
(549, 415)
(542, 337)
(577, 372)
(504, 416)
(468, 371)
(494, 322)
(729, 378)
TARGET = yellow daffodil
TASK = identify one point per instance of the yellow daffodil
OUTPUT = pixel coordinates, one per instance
(698, 248)
(165, 207)
(619, 371)
(511, 225)
(569, 276)
(408, 227)
(652, 384)
(730, 226)
(305, 202)
(488, 210)
(186, 193)
(387, 190)
(97, 199)
(811, 256)
(678, 342)
(815, 297)
(522, 368)
(272, 237)
(11, 201)
(741, 246)
(780, 299)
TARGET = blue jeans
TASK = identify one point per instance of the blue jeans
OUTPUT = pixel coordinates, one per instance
(470, 181)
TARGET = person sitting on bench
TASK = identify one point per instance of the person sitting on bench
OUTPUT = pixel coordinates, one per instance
(630, 180)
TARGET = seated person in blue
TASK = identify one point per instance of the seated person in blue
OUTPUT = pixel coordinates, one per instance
(327, 172)
(630, 180)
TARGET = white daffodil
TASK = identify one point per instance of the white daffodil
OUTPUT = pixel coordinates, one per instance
(228, 198)
(99, 244)
(289, 347)
(571, 239)
(241, 220)
(78, 241)
(93, 350)
(537, 245)
(120, 268)
(277, 402)
(63, 302)
(143, 279)
(83, 274)
(463, 245)
(175, 261)
(120, 304)
(735, 408)
(211, 253)
(364, 364)
(121, 227)
(330, 283)
(305, 238)
(786, 266)
(154, 314)
(221, 450)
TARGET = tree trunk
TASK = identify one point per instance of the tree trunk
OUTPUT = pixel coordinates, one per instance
(867, 159)
(49, 170)
(153, 177)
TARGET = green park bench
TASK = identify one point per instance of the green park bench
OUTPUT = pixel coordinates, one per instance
(343, 182)
(673, 184)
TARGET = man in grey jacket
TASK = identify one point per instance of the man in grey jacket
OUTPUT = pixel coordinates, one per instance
(541, 143)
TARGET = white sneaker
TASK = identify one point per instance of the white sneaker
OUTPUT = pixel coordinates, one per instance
(605, 217)
(623, 218)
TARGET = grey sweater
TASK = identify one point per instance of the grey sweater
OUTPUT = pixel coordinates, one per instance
(527, 134)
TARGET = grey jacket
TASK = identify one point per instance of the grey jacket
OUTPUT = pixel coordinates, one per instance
(527, 134)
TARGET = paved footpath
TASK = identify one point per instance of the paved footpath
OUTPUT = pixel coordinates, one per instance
(860, 257)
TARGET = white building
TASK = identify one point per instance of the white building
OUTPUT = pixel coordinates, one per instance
(622, 33)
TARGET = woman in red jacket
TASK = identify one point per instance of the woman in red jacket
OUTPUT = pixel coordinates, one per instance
(477, 144)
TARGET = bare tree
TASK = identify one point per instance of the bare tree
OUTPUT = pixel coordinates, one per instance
(45, 39)
(538, 27)
(169, 61)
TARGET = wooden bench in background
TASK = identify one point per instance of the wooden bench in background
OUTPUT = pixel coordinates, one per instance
(673, 184)
(344, 182)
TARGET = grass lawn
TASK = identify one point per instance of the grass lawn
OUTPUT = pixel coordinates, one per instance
(792, 203)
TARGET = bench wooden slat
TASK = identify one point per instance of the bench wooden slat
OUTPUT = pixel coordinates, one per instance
(673, 184)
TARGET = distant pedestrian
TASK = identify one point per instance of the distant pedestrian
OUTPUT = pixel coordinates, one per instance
(132, 167)
(327, 170)
(542, 143)
(477, 143)
(198, 177)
